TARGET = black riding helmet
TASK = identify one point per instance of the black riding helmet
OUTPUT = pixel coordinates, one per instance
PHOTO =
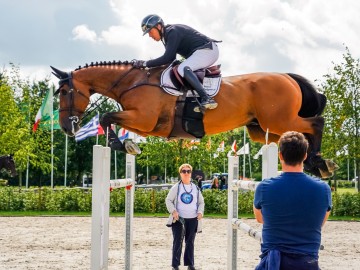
(149, 22)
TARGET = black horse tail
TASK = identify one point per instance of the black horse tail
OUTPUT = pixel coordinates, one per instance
(313, 102)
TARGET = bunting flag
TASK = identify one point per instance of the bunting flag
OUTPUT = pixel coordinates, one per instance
(123, 134)
(46, 109)
(221, 147)
(88, 130)
(233, 147)
(259, 153)
(244, 150)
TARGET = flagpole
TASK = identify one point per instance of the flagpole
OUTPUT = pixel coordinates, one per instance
(66, 147)
(115, 163)
(28, 159)
(52, 139)
(244, 153)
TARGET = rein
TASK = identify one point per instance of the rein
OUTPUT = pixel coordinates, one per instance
(95, 104)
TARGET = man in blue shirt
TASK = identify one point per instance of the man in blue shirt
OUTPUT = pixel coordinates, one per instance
(292, 207)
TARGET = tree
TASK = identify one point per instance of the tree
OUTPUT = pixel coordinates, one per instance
(342, 126)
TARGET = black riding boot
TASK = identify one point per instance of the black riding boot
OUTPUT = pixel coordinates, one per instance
(206, 101)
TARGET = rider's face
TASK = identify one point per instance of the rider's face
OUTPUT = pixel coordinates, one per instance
(154, 33)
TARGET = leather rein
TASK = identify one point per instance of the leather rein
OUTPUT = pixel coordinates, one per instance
(71, 109)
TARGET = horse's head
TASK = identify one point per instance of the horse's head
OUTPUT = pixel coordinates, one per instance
(74, 98)
(8, 163)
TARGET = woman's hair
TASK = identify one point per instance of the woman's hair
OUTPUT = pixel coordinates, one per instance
(185, 165)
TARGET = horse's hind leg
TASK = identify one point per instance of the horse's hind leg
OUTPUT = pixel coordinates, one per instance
(314, 163)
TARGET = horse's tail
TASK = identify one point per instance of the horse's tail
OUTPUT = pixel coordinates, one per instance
(313, 102)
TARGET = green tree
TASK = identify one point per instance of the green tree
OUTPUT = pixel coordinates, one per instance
(342, 126)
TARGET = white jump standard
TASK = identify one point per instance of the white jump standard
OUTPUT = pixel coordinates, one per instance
(100, 207)
(269, 169)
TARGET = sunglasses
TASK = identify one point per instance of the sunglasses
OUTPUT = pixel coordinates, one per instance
(185, 171)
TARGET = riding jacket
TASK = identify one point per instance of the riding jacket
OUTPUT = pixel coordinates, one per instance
(180, 39)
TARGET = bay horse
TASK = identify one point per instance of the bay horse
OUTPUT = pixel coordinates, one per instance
(276, 102)
(7, 162)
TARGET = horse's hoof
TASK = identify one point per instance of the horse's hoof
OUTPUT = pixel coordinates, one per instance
(331, 165)
(117, 146)
(325, 174)
(132, 148)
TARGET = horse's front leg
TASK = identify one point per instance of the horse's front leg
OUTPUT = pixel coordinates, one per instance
(128, 146)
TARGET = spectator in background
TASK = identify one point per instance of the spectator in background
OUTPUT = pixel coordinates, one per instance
(215, 183)
(185, 204)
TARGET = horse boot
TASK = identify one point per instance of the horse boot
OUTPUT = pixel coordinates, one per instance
(114, 142)
(206, 101)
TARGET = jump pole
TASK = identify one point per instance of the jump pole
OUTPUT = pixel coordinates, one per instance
(101, 203)
(269, 169)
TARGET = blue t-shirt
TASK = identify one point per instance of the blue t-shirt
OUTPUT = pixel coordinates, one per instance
(293, 206)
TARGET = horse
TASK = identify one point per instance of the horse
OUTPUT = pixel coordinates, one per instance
(268, 104)
(7, 162)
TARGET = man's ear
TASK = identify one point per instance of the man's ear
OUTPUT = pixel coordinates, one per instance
(281, 156)
(159, 26)
(305, 157)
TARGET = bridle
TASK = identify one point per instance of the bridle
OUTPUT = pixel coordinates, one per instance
(70, 99)
(70, 95)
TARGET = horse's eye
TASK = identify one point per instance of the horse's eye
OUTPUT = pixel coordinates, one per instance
(63, 92)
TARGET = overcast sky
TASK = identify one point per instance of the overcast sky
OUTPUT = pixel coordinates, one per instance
(297, 36)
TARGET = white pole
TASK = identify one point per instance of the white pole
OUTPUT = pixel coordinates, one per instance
(244, 156)
(52, 140)
(100, 207)
(147, 169)
(233, 174)
(66, 148)
(27, 172)
(129, 212)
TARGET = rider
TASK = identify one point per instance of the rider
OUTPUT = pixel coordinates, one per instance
(198, 50)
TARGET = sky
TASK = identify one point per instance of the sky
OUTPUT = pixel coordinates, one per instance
(298, 36)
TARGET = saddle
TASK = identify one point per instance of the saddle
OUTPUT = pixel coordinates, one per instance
(179, 82)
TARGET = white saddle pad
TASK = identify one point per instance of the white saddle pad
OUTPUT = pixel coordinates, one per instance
(211, 85)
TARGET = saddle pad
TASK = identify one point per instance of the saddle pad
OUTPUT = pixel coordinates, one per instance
(211, 85)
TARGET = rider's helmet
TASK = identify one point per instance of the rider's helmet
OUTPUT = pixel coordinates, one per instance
(149, 22)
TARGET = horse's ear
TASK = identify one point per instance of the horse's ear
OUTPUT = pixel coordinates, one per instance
(58, 73)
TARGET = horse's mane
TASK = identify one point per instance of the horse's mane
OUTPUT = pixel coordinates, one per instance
(104, 63)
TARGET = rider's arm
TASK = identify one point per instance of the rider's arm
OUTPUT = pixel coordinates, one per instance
(171, 47)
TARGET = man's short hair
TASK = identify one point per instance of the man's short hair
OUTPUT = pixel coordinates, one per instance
(293, 147)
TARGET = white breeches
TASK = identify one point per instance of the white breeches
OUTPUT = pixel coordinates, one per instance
(202, 58)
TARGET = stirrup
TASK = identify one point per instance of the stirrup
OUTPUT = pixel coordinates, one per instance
(209, 104)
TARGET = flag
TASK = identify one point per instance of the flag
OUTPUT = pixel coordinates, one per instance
(233, 147)
(244, 150)
(45, 122)
(221, 147)
(46, 109)
(123, 134)
(259, 153)
(88, 130)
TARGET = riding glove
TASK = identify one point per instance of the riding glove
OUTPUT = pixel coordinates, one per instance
(139, 64)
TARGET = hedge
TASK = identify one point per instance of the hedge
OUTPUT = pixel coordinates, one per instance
(146, 201)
